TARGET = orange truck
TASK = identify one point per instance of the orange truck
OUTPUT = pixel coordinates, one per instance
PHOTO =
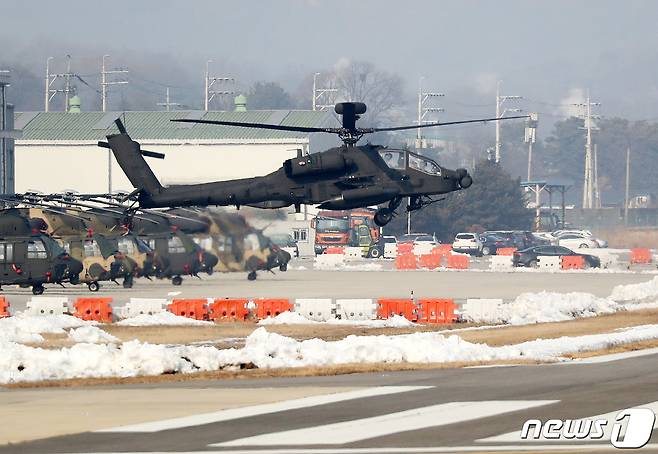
(348, 228)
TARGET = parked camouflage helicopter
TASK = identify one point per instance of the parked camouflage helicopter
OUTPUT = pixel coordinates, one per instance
(339, 178)
(30, 258)
(106, 253)
(239, 246)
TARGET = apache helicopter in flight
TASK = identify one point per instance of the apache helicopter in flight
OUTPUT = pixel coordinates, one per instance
(344, 177)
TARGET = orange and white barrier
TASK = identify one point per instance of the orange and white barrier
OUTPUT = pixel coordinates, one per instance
(356, 309)
(142, 306)
(430, 261)
(406, 262)
(47, 305)
(640, 256)
(440, 311)
(190, 308)
(458, 262)
(481, 308)
(572, 262)
(501, 263)
(317, 309)
(547, 262)
(506, 251)
(96, 309)
(268, 307)
(229, 309)
(387, 308)
(4, 307)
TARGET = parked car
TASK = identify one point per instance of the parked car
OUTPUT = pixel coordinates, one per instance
(576, 241)
(491, 242)
(581, 234)
(390, 247)
(530, 257)
(429, 240)
(519, 239)
(467, 243)
(411, 237)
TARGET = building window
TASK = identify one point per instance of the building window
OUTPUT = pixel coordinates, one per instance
(300, 235)
(126, 246)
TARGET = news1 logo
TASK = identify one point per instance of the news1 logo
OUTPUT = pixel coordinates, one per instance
(631, 428)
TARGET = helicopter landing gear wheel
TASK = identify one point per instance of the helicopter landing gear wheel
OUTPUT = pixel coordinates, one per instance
(283, 267)
(37, 289)
(93, 286)
(252, 276)
(383, 216)
(128, 282)
(176, 280)
(375, 253)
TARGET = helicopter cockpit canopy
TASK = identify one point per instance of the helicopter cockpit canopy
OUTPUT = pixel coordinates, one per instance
(400, 160)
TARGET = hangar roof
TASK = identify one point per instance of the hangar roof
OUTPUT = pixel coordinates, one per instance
(155, 126)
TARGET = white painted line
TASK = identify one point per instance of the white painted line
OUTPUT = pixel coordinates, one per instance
(612, 357)
(255, 410)
(421, 450)
(377, 426)
(515, 437)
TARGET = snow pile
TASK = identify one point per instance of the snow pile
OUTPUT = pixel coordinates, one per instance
(269, 350)
(286, 318)
(91, 334)
(636, 292)
(546, 307)
(294, 318)
(28, 328)
(160, 318)
(336, 262)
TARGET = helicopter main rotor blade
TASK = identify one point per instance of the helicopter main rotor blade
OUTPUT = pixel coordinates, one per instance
(432, 125)
(256, 125)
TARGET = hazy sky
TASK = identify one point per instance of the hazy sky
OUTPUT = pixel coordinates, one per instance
(548, 51)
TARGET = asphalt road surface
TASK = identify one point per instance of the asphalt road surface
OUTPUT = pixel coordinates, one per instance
(452, 410)
(353, 284)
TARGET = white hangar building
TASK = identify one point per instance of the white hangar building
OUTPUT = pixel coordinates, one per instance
(58, 151)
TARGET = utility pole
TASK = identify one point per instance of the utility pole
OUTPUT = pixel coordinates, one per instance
(50, 92)
(500, 112)
(597, 194)
(105, 83)
(531, 138)
(210, 82)
(423, 99)
(168, 104)
(67, 78)
(323, 98)
(588, 183)
(628, 180)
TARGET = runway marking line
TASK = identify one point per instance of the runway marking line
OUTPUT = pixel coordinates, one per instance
(419, 450)
(378, 426)
(256, 410)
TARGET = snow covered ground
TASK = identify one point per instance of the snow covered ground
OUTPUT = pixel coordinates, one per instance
(263, 349)
(555, 307)
(98, 354)
(293, 318)
(160, 318)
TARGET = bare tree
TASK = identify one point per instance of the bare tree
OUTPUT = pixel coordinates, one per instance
(362, 81)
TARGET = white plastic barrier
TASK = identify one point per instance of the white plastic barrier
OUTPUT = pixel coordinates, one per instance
(501, 263)
(317, 309)
(547, 262)
(353, 253)
(480, 309)
(608, 258)
(423, 248)
(329, 261)
(356, 309)
(139, 306)
(48, 305)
